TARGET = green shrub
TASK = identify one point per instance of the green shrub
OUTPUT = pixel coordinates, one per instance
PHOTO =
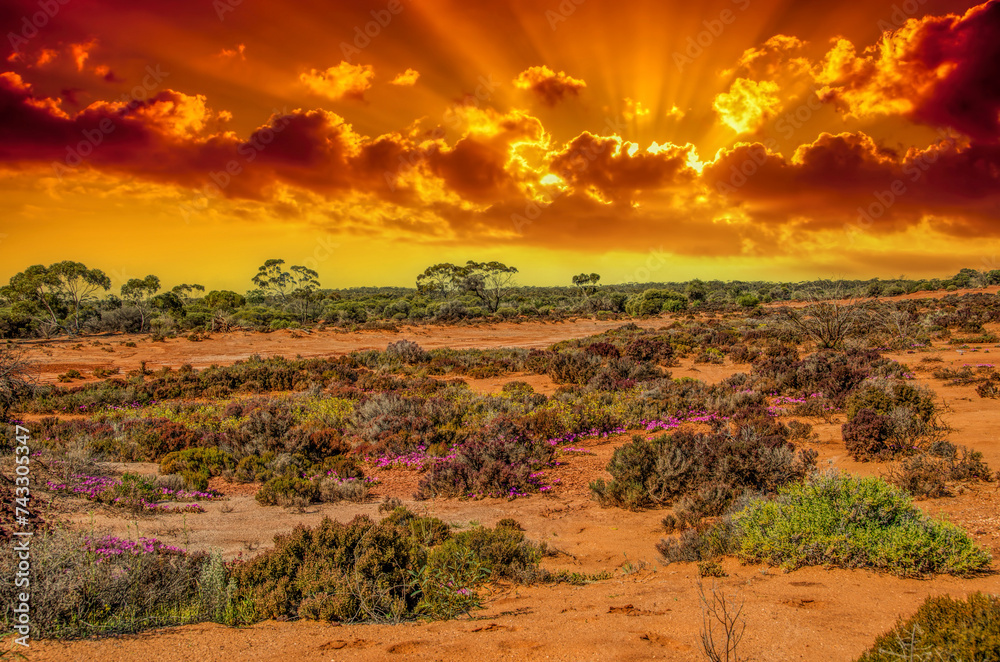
(399, 568)
(852, 522)
(944, 628)
(196, 465)
(883, 396)
(287, 490)
(254, 468)
(889, 417)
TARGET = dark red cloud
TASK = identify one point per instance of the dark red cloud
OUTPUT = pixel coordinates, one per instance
(828, 181)
(167, 138)
(946, 67)
(967, 98)
(603, 164)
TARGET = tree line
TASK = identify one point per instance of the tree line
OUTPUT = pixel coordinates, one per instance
(70, 298)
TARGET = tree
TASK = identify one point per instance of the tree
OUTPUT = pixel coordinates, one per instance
(443, 279)
(138, 292)
(183, 291)
(490, 281)
(33, 292)
(275, 282)
(695, 290)
(828, 323)
(653, 302)
(57, 292)
(306, 282)
(587, 284)
(226, 300)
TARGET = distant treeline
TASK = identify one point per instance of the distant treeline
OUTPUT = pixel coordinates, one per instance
(70, 298)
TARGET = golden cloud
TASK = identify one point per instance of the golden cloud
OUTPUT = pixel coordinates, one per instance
(550, 86)
(406, 78)
(345, 80)
(748, 104)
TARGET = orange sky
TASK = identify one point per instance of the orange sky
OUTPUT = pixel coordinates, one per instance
(643, 140)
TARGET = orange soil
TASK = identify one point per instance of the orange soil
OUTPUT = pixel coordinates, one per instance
(654, 613)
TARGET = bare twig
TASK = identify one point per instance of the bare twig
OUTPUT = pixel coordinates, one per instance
(723, 625)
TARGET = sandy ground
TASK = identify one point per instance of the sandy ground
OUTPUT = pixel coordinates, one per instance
(54, 357)
(652, 613)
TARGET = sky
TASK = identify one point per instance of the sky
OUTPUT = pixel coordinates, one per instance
(644, 140)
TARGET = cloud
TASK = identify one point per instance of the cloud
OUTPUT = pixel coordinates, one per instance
(550, 86)
(406, 78)
(45, 56)
(344, 81)
(634, 109)
(748, 104)
(936, 70)
(825, 183)
(779, 55)
(616, 171)
(81, 52)
(480, 167)
(230, 53)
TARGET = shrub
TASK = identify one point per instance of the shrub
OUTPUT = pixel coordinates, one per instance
(498, 467)
(852, 522)
(647, 348)
(989, 387)
(927, 474)
(70, 375)
(86, 585)
(254, 468)
(710, 355)
(888, 417)
(407, 351)
(379, 571)
(797, 430)
(659, 471)
(884, 396)
(287, 490)
(603, 349)
(196, 465)
(943, 628)
(573, 367)
(867, 435)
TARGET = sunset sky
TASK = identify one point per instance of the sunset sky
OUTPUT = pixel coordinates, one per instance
(646, 141)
